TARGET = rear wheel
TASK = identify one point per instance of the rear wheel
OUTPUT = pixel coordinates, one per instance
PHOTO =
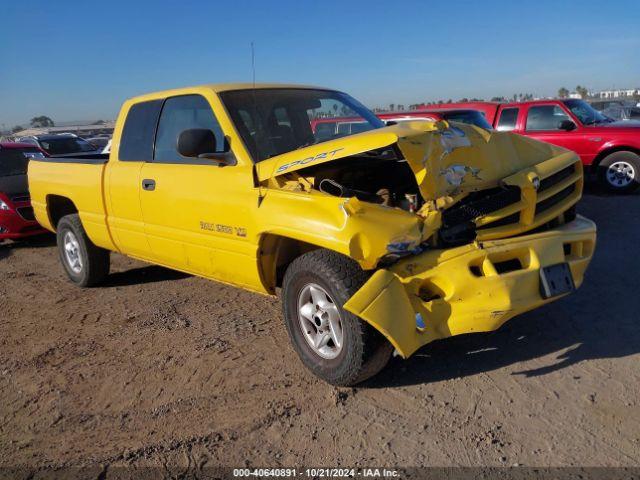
(334, 344)
(85, 264)
(619, 172)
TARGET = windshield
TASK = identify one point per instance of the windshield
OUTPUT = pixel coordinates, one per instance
(14, 161)
(62, 145)
(276, 121)
(585, 112)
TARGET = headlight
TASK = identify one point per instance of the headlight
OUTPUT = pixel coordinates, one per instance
(4, 206)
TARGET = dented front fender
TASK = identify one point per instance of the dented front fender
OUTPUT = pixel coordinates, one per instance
(363, 231)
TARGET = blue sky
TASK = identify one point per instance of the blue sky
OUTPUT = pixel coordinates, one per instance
(79, 60)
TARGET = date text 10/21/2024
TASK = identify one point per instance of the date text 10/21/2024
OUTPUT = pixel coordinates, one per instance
(316, 472)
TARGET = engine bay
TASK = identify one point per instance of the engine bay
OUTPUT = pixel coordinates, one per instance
(382, 177)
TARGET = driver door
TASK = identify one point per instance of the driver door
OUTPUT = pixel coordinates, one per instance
(197, 213)
(543, 123)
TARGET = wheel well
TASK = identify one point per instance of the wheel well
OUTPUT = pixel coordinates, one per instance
(275, 254)
(58, 207)
(603, 154)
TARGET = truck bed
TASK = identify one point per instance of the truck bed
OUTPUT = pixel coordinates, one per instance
(96, 158)
(78, 183)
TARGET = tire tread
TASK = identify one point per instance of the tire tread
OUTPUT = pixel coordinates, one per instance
(373, 350)
(98, 259)
(620, 155)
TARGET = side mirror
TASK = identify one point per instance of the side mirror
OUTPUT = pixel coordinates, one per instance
(566, 125)
(201, 143)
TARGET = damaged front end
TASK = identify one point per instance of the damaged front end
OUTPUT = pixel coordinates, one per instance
(471, 288)
(458, 221)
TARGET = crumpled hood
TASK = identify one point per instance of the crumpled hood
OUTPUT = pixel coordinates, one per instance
(461, 158)
(447, 159)
(326, 152)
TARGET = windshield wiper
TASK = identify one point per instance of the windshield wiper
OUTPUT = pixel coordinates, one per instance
(308, 144)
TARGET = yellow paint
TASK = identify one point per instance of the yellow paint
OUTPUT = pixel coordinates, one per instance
(233, 223)
(441, 285)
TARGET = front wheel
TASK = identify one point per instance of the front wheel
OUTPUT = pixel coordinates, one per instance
(335, 345)
(86, 264)
(619, 172)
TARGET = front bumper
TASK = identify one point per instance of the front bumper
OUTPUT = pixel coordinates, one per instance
(13, 226)
(473, 288)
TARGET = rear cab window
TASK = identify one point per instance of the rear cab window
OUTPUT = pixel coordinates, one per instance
(508, 119)
(359, 127)
(138, 134)
(325, 130)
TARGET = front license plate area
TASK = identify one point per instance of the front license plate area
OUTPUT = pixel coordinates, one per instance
(556, 280)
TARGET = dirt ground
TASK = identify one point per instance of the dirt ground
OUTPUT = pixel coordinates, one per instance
(163, 369)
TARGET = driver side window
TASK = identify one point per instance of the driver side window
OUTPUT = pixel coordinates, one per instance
(545, 118)
(179, 114)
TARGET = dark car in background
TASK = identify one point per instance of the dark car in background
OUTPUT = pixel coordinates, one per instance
(16, 214)
(99, 142)
(62, 144)
(618, 109)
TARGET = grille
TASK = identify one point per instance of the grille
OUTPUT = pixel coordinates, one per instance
(22, 197)
(557, 177)
(481, 203)
(545, 205)
(26, 213)
(30, 228)
(508, 220)
(459, 222)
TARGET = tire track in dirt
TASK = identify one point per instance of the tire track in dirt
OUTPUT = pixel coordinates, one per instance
(163, 369)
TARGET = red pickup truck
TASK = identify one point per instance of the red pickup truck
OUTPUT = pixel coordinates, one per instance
(609, 149)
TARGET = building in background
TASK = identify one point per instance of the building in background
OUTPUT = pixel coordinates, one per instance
(619, 93)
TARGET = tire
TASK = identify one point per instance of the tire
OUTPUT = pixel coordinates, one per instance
(363, 351)
(619, 172)
(85, 264)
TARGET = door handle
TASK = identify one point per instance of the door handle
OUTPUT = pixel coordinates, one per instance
(148, 184)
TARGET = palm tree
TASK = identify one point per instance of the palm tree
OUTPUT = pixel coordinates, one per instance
(582, 91)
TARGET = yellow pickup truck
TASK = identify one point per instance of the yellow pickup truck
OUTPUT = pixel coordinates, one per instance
(381, 241)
